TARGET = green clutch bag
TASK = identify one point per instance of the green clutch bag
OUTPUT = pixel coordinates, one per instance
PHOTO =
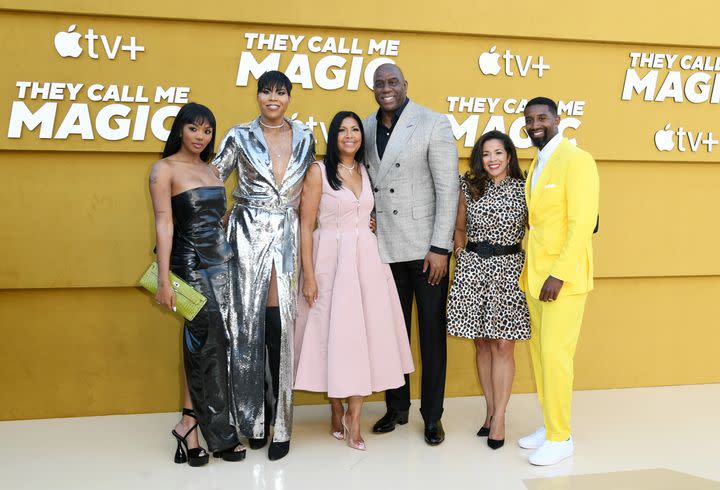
(187, 300)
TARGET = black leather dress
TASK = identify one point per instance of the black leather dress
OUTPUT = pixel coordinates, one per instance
(200, 255)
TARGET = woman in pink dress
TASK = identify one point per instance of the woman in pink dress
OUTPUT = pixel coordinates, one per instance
(350, 338)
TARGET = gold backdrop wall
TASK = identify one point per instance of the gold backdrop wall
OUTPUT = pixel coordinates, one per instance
(78, 338)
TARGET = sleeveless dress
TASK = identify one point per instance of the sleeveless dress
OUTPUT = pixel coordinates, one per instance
(200, 255)
(485, 299)
(353, 341)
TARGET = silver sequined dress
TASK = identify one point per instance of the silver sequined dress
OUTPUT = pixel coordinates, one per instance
(263, 230)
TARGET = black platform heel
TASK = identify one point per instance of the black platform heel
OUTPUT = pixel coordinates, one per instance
(196, 456)
(231, 454)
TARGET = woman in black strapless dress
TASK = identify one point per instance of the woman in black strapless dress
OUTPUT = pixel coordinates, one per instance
(189, 205)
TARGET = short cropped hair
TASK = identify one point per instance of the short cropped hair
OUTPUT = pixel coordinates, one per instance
(543, 101)
(274, 80)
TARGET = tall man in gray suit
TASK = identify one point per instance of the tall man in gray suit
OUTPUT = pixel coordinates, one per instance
(412, 161)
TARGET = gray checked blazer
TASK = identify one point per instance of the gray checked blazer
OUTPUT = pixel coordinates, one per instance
(415, 184)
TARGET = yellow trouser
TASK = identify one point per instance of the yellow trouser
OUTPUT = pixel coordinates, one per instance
(555, 330)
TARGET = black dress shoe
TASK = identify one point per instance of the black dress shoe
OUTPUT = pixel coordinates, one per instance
(484, 431)
(495, 443)
(389, 420)
(434, 433)
(278, 450)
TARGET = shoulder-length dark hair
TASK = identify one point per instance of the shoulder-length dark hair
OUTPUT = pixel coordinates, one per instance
(190, 113)
(332, 156)
(477, 178)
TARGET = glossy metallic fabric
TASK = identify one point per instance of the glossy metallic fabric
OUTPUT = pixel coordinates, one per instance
(262, 231)
(198, 236)
(200, 256)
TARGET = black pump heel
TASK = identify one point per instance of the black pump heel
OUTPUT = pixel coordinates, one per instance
(484, 431)
(495, 443)
(196, 456)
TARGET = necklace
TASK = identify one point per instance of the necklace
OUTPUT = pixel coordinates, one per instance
(349, 168)
(272, 127)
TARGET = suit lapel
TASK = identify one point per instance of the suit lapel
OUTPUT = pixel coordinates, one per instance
(401, 134)
(528, 181)
(545, 175)
(297, 139)
(263, 165)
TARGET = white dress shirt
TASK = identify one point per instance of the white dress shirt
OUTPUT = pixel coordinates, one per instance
(543, 157)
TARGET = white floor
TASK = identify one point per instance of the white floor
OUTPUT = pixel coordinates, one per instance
(676, 428)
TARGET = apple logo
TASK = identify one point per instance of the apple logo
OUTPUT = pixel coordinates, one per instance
(664, 139)
(488, 62)
(67, 44)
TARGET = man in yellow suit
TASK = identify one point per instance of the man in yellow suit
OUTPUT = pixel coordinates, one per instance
(562, 194)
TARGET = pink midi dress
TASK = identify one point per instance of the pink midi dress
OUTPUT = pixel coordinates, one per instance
(353, 341)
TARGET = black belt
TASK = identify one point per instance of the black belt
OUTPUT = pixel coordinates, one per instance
(487, 249)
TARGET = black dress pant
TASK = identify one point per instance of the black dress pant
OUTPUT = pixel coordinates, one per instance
(411, 281)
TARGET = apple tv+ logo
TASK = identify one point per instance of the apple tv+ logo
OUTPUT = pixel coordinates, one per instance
(666, 139)
(490, 63)
(67, 44)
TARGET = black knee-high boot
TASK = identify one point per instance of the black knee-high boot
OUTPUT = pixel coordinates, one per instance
(273, 335)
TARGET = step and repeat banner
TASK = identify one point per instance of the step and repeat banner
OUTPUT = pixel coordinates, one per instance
(86, 103)
(105, 84)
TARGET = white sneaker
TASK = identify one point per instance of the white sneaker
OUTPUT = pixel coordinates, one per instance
(534, 440)
(552, 452)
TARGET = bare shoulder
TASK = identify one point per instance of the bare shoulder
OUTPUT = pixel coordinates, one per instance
(161, 171)
(314, 172)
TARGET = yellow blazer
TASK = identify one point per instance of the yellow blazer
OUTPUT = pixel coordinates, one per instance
(562, 212)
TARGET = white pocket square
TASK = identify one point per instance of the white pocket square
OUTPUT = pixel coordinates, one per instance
(549, 186)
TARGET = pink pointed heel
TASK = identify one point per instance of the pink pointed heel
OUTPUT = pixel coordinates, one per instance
(359, 445)
(337, 434)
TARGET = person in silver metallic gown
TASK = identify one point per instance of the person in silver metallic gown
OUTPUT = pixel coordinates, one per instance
(270, 155)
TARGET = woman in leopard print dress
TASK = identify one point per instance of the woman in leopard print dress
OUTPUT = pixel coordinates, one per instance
(485, 301)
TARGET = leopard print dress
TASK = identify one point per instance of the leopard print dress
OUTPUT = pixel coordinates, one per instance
(485, 299)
